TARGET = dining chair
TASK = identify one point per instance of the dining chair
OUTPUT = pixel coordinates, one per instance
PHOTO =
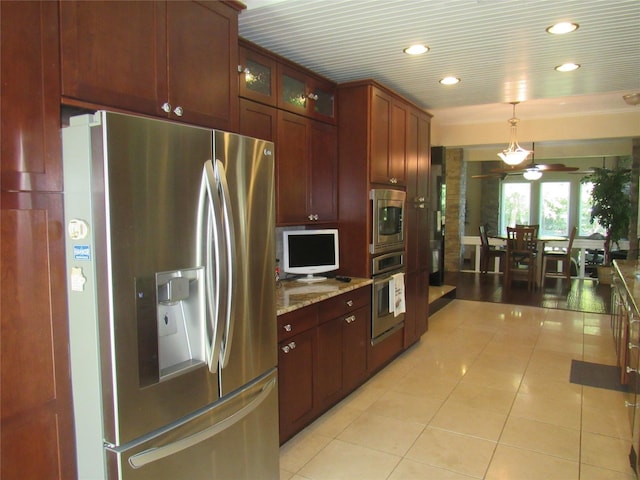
(535, 226)
(488, 252)
(563, 256)
(521, 255)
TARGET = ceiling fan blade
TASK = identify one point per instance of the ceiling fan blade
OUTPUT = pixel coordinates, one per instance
(555, 167)
(490, 175)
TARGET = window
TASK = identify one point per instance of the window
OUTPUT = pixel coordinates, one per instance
(557, 202)
(516, 204)
(554, 208)
(585, 227)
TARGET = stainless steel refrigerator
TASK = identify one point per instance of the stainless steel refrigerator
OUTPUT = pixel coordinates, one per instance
(170, 250)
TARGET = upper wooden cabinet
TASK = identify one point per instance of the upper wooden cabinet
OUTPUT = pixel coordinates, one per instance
(306, 171)
(169, 59)
(273, 80)
(30, 107)
(383, 141)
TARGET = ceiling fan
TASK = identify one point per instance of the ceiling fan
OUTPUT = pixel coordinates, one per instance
(530, 171)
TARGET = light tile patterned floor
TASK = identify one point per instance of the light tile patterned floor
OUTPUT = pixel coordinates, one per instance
(485, 394)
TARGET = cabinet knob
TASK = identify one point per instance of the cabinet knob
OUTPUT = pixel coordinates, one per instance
(244, 70)
(178, 111)
(166, 107)
(350, 319)
(292, 345)
(349, 303)
(393, 180)
(313, 216)
(287, 327)
(313, 96)
(286, 349)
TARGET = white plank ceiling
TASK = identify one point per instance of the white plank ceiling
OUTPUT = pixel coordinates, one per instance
(499, 49)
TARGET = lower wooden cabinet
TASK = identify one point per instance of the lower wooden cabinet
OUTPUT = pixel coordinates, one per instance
(36, 418)
(322, 357)
(296, 382)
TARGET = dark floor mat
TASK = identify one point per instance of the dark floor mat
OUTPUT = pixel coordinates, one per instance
(596, 375)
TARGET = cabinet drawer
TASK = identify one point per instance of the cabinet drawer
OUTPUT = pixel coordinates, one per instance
(296, 322)
(345, 303)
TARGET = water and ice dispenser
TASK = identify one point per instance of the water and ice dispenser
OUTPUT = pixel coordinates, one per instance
(171, 318)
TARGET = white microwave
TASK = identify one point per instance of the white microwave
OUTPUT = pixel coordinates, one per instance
(388, 220)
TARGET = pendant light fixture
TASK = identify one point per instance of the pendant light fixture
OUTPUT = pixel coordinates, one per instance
(514, 154)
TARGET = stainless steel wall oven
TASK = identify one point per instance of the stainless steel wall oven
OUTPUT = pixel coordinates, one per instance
(388, 220)
(384, 321)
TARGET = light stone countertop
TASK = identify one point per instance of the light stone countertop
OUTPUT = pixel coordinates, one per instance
(292, 295)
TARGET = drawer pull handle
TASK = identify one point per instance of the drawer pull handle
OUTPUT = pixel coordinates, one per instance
(627, 403)
(286, 349)
(630, 370)
(632, 345)
(349, 303)
(287, 327)
(292, 345)
(350, 319)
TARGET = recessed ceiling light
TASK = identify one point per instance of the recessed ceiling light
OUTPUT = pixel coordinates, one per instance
(567, 67)
(416, 50)
(562, 28)
(449, 80)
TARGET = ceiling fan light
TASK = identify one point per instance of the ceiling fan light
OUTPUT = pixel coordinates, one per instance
(532, 174)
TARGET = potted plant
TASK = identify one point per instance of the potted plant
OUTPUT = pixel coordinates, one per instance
(610, 205)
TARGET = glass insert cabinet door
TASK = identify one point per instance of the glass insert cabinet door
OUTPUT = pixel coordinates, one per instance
(294, 92)
(306, 95)
(258, 77)
(323, 102)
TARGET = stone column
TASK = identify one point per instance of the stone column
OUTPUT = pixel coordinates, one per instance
(456, 182)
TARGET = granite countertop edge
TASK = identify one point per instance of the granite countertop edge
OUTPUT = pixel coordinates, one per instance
(292, 295)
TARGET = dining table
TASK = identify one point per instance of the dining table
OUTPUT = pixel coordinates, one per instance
(541, 241)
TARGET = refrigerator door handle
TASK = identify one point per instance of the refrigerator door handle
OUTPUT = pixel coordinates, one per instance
(231, 253)
(210, 246)
(153, 454)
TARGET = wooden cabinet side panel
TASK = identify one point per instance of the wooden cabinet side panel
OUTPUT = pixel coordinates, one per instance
(34, 365)
(202, 41)
(114, 54)
(354, 211)
(422, 190)
(29, 111)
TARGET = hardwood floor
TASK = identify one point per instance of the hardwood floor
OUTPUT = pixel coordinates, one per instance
(583, 296)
